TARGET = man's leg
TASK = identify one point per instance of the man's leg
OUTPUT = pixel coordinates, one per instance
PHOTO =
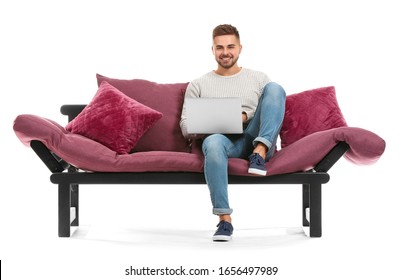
(265, 126)
(217, 149)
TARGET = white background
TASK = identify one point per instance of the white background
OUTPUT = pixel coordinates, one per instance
(50, 53)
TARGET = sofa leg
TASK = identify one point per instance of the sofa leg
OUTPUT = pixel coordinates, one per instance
(315, 210)
(74, 203)
(306, 203)
(64, 210)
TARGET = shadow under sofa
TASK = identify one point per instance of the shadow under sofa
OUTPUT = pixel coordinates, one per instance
(314, 137)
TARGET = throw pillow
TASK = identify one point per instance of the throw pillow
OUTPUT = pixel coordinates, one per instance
(114, 119)
(168, 99)
(308, 112)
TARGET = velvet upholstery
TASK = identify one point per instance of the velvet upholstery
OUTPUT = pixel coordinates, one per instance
(308, 112)
(168, 99)
(91, 155)
(166, 150)
(114, 119)
(365, 148)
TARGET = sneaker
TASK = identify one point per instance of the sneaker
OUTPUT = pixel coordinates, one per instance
(257, 165)
(224, 232)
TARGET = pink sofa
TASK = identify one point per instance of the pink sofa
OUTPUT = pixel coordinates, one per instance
(129, 133)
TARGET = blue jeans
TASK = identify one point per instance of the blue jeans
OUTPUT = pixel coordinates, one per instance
(264, 127)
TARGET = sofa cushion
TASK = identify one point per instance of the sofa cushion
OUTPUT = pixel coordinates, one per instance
(366, 148)
(90, 155)
(82, 152)
(168, 99)
(114, 119)
(308, 112)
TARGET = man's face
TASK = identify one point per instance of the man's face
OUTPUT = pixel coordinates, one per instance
(226, 49)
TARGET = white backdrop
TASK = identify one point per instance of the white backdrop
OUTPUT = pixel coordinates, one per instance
(50, 52)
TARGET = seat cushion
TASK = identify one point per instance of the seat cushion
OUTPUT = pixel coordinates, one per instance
(168, 99)
(366, 148)
(87, 154)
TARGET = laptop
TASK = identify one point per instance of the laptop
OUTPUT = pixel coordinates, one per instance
(214, 115)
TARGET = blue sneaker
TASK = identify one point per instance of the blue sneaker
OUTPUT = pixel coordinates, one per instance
(224, 232)
(257, 165)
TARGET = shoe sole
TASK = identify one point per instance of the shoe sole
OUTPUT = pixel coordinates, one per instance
(257, 171)
(221, 238)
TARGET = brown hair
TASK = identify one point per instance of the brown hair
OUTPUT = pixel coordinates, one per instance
(225, 29)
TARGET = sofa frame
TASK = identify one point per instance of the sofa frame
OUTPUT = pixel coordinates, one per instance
(68, 178)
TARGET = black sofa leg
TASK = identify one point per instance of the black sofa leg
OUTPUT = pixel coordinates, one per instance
(74, 203)
(64, 210)
(315, 210)
(306, 203)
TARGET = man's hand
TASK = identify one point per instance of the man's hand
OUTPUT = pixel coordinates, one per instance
(244, 116)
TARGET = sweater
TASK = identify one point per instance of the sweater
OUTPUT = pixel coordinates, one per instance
(246, 85)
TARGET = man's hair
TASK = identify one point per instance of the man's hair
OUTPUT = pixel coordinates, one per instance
(225, 29)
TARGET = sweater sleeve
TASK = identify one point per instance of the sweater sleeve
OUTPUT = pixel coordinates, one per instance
(192, 91)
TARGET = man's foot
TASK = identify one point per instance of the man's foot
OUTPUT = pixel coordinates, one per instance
(224, 232)
(257, 165)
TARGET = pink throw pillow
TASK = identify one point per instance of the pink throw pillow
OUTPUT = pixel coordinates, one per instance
(114, 119)
(168, 99)
(308, 112)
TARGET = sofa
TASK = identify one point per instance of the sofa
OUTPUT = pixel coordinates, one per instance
(129, 133)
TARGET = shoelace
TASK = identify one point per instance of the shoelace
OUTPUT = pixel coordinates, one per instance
(256, 158)
(224, 225)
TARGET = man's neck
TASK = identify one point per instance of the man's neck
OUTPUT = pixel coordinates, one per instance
(228, 71)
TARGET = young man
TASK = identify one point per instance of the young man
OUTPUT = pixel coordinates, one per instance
(263, 104)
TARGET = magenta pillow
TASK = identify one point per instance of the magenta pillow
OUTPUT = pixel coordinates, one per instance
(308, 112)
(114, 119)
(168, 99)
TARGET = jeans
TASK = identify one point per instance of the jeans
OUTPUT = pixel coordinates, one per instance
(264, 127)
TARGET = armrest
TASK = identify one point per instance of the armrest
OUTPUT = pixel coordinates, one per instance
(72, 110)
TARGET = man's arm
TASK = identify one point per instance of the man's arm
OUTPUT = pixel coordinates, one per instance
(192, 91)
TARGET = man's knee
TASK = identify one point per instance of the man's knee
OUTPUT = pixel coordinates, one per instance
(275, 91)
(213, 143)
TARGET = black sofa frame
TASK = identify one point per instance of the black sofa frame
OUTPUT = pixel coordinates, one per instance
(69, 178)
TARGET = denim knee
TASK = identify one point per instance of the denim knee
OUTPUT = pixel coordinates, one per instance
(275, 90)
(214, 143)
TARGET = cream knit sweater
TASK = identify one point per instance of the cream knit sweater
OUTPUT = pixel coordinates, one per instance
(246, 85)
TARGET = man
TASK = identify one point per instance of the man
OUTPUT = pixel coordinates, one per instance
(263, 104)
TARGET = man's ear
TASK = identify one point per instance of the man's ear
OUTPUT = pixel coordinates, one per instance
(241, 47)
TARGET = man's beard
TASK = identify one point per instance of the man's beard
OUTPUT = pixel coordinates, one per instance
(228, 66)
